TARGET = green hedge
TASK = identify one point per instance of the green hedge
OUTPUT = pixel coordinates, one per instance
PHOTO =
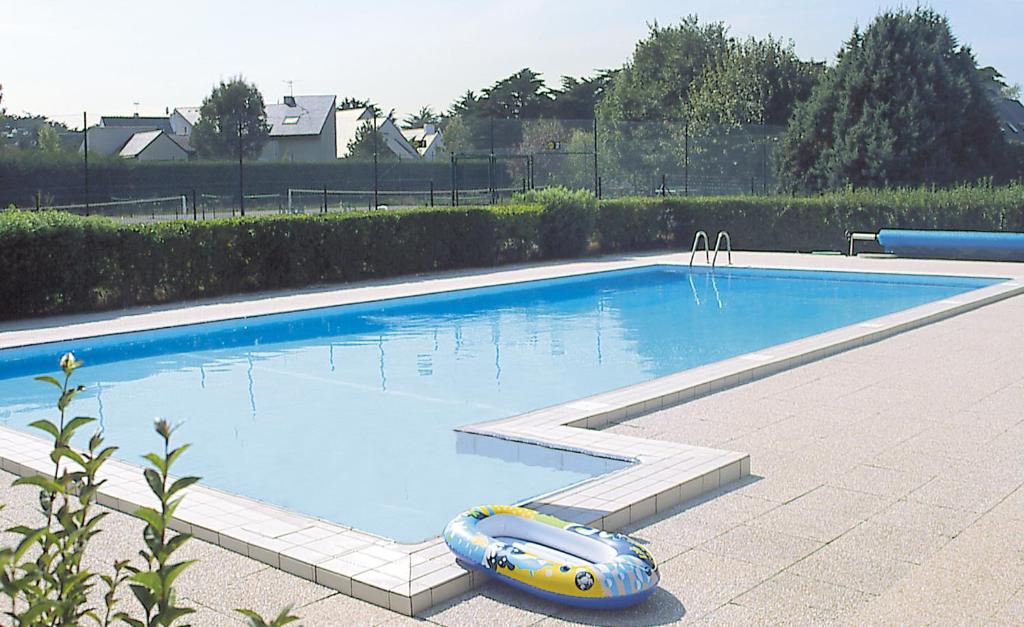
(801, 223)
(55, 262)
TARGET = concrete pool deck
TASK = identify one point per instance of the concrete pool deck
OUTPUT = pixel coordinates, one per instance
(839, 448)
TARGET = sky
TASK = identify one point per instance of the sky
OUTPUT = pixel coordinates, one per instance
(62, 57)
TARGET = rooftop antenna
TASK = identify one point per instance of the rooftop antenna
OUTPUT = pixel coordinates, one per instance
(136, 103)
(291, 88)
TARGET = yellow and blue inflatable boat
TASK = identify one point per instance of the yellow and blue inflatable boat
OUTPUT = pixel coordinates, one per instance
(551, 558)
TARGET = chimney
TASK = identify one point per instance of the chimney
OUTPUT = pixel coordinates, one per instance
(289, 100)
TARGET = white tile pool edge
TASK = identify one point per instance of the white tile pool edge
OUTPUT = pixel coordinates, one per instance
(411, 578)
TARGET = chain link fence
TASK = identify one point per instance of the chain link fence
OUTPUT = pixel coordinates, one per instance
(486, 161)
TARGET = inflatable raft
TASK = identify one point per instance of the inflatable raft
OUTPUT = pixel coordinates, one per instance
(551, 558)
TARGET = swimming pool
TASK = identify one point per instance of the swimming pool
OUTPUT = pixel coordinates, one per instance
(348, 413)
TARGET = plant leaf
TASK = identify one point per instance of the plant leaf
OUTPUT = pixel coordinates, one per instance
(45, 425)
(49, 379)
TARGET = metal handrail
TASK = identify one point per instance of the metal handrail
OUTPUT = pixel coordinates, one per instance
(707, 247)
(728, 247)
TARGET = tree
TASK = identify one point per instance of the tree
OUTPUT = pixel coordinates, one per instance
(904, 106)
(361, 146)
(521, 95)
(578, 97)
(656, 83)
(424, 116)
(216, 135)
(47, 140)
(353, 103)
(758, 81)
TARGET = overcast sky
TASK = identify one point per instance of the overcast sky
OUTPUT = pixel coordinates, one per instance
(60, 57)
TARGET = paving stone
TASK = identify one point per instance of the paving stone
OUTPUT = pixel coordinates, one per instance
(339, 609)
(787, 593)
(932, 518)
(758, 545)
(265, 591)
(886, 482)
(856, 570)
(953, 494)
(823, 514)
(879, 541)
(488, 602)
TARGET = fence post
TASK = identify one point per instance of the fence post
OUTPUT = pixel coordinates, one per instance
(597, 185)
(431, 192)
(195, 213)
(376, 201)
(325, 199)
(686, 159)
(85, 151)
(455, 181)
(241, 180)
(764, 162)
(664, 188)
(37, 200)
(490, 166)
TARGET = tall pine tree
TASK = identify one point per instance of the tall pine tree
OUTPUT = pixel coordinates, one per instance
(903, 106)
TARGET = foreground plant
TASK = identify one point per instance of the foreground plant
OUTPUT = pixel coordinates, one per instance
(255, 620)
(53, 584)
(42, 579)
(154, 588)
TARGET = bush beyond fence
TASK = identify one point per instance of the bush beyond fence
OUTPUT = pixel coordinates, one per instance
(57, 263)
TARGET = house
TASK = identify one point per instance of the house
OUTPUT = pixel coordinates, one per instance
(302, 128)
(1011, 118)
(428, 140)
(155, 146)
(183, 119)
(135, 121)
(139, 143)
(349, 121)
(1009, 111)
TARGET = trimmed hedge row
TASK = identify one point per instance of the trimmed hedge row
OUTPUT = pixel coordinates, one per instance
(55, 262)
(799, 223)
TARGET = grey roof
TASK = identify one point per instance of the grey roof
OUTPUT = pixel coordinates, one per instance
(108, 140)
(138, 142)
(1011, 118)
(191, 114)
(312, 112)
(182, 140)
(119, 121)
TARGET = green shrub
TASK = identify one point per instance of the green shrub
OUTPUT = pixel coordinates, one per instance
(567, 222)
(120, 265)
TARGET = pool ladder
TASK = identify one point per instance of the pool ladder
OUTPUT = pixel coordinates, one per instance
(722, 235)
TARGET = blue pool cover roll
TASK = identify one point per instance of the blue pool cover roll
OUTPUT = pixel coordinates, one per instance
(953, 244)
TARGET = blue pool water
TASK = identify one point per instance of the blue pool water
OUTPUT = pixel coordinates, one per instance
(348, 413)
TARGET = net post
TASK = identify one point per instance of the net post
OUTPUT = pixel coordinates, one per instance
(431, 192)
(325, 199)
